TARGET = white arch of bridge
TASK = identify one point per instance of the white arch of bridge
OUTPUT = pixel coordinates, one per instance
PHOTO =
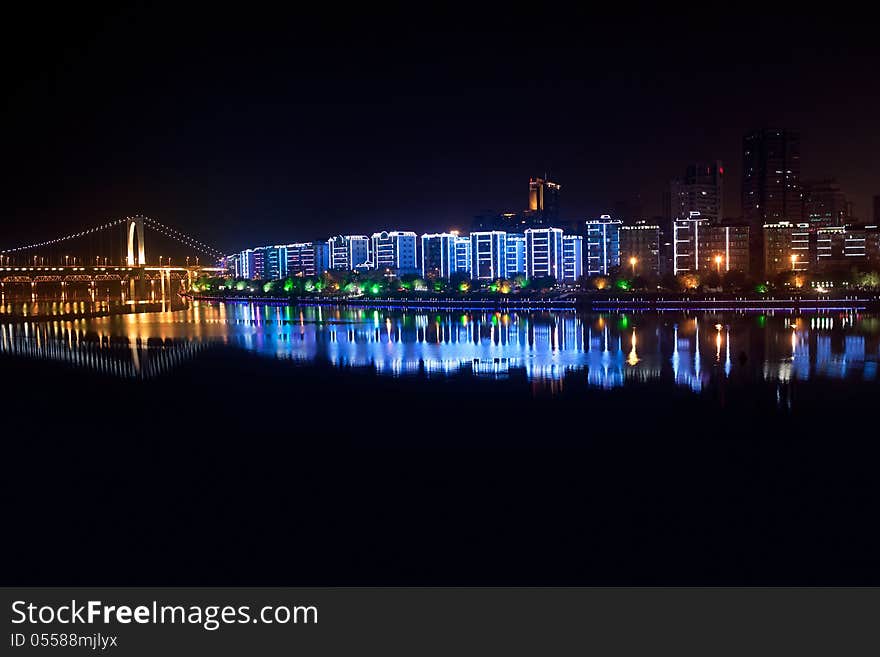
(135, 226)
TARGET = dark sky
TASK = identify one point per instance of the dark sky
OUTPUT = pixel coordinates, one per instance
(270, 127)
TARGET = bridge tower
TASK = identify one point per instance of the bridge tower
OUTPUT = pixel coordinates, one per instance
(135, 225)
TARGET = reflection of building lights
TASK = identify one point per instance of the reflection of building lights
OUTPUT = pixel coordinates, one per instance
(633, 356)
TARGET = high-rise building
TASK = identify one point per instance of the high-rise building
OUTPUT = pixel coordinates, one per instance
(830, 249)
(307, 258)
(516, 254)
(251, 263)
(771, 184)
(786, 247)
(242, 263)
(544, 252)
(462, 262)
(700, 190)
(642, 242)
(602, 245)
(700, 246)
(394, 251)
(726, 248)
(544, 200)
(259, 271)
(572, 258)
(687, 239)
(276, 262)
(438, 255)
(349, 252)
(825, 204)
(840, 248)
(229, 263)
(489, 255)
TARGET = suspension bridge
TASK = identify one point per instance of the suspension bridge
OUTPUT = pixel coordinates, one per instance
(115, 251)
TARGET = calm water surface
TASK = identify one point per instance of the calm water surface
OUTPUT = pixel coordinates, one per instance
(260, 444)
(608, 350)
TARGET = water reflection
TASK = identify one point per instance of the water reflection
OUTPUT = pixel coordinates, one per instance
(83, 303)
(113, 356)
(609, 350)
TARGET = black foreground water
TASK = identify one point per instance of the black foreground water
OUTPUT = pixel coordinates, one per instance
(272, 445)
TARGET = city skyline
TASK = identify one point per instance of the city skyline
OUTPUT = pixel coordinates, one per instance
(261, 135)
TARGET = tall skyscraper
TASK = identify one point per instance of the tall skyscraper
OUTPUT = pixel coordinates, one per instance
(825, 204)
(700, 190)
(544, 200)
(771, 184)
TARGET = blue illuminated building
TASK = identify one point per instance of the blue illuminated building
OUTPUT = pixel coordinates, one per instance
(516, 254)
(544, 252)
(572, 258)
(394, 251)
(462, 255)
(438, 255)
(488, 255)
(307, 258)
(602, 241)
(276, 262)
(348, 252)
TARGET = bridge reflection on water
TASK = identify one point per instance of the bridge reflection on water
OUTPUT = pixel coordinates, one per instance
(117, 357)
(609, 350)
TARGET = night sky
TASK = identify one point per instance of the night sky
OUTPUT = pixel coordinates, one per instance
(266, 128)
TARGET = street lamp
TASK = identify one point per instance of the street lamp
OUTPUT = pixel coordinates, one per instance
(718, 263)
(632, 262)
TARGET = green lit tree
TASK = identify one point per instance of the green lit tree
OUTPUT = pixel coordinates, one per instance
(460, 282)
